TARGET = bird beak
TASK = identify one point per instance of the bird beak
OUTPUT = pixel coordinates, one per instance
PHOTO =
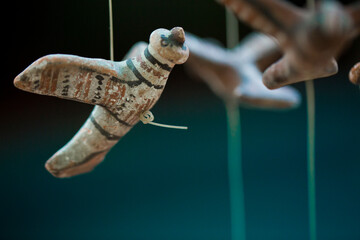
(177, 35)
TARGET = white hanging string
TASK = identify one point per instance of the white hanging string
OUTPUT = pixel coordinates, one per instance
(147, 118)
(111, 31)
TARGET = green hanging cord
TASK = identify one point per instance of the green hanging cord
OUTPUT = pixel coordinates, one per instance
(235, 172)
(236, 185)
(310, 96)
(310, 100)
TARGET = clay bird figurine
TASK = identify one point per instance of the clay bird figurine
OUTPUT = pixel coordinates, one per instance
(310, 40)
(122, 91)
(233, 74)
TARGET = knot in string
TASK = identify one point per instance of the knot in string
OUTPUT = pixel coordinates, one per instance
(147, 117)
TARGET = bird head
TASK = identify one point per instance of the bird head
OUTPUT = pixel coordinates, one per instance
(170, 45)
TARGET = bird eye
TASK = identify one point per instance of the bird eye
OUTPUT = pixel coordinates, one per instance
(164, 43)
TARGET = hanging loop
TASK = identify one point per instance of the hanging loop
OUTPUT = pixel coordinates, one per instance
(147, 118)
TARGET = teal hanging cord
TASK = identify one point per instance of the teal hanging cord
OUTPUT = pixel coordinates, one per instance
(236, 185)
(310, 97)
(235, 172)
(310, 101)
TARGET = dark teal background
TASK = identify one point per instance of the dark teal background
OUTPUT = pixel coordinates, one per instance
(159, 183)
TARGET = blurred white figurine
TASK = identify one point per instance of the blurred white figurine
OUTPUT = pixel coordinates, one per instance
(234, 74)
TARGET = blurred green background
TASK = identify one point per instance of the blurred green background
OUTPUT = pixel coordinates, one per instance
(159, 183)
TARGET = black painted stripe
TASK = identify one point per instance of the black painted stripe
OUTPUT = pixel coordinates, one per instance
(132, 67)
(154, 61)
(103, 132)
(129, 83)
(117, 118)
(85, 160)
(91, 156)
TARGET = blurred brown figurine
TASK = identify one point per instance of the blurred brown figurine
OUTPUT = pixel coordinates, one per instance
(354, 74)
(354, 12)
(234, 75)
(310, 40)
(122, 91)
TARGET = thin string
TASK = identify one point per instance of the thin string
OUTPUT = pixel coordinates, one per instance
(310, 99)
(147, 118)
(235, 172)
(111, 31)
(232, 29)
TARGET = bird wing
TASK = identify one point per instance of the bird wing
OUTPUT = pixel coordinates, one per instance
(71, 77)
(211, 63)
(276, 18)
(257, 47)
(220, 77)
(206, 49)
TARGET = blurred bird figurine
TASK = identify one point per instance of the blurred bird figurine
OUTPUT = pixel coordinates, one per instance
(309, 39)
(122, 91)
(354, 74)
(233, 74)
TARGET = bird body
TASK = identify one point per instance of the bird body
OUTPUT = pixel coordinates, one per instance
(122, 91)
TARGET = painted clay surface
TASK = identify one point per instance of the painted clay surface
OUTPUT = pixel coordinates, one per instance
(122, 91)
(310, 40)
(234, 74)
(354, 74)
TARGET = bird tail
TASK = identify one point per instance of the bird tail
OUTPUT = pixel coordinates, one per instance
(89, 146)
